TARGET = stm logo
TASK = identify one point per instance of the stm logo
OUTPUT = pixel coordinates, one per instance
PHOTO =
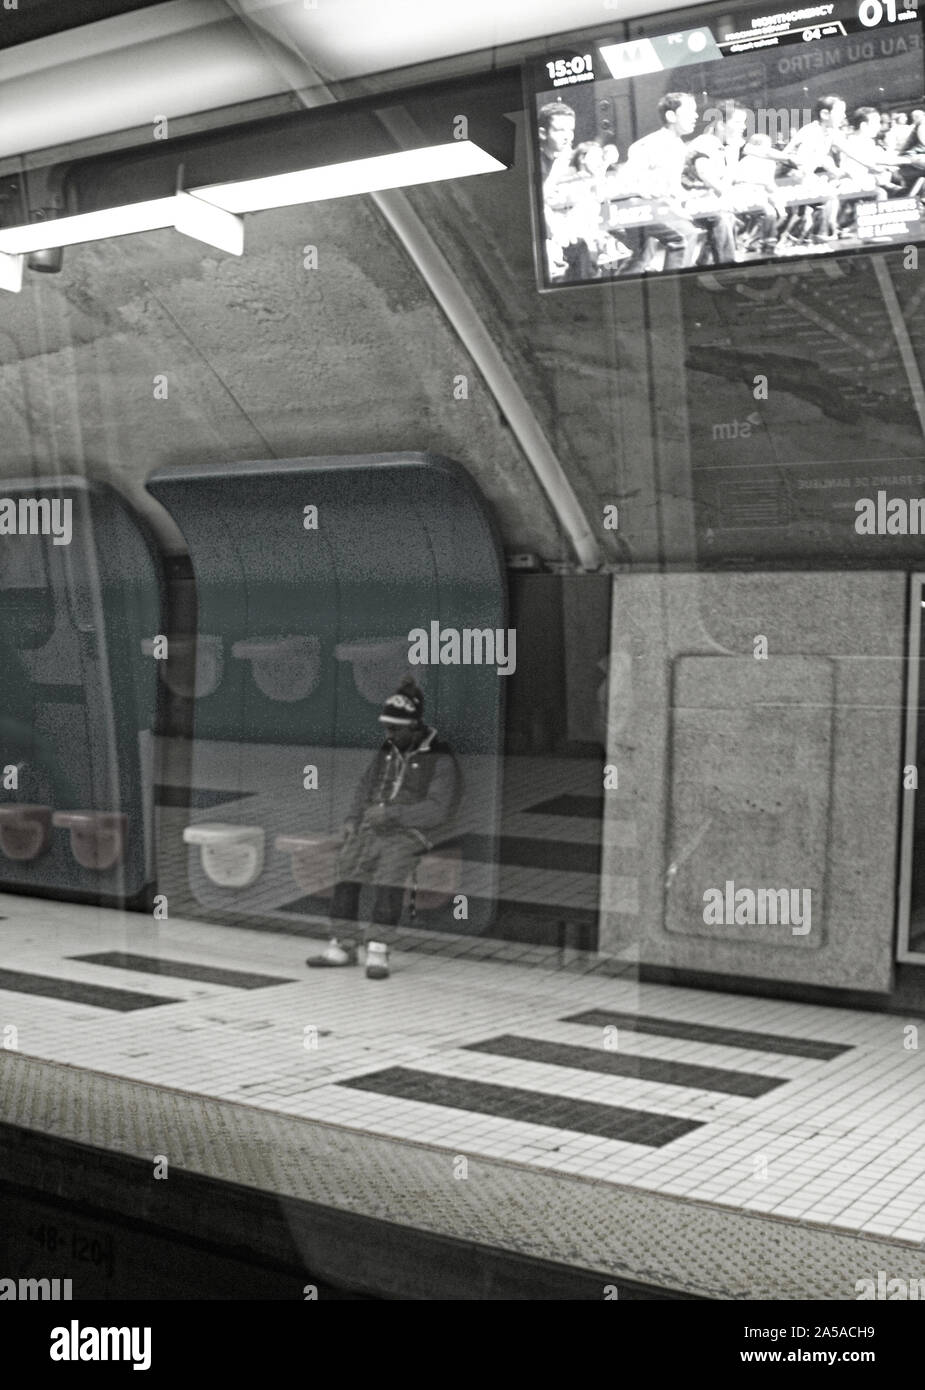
(737, 429)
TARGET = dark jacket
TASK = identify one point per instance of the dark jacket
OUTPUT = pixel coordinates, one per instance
(423, 794)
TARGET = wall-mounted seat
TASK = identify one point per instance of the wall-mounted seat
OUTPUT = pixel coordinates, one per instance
(284, 668)
(313, 861)
(377, 666)
(25, 831)
(433, 881)
(232, 855)
(193, 665)
(97, 837)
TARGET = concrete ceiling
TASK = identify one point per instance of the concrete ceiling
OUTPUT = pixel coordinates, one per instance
(265, 358)
(124, 72)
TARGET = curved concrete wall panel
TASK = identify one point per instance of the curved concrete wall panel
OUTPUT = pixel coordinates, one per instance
(313, 610)
(82, 589)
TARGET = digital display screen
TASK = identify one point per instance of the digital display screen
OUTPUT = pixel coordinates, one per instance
(748, 134)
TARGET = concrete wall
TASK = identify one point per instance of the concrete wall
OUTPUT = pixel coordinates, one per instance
(154, 350)
(777, 773)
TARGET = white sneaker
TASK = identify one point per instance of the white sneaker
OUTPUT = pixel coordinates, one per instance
(335, 954)
(377, 961)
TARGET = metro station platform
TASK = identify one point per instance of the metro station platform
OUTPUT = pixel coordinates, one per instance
(469, 1128)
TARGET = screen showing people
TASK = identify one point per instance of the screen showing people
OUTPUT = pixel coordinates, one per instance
(757, 136)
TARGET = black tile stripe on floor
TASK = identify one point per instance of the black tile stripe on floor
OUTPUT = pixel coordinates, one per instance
(705, 1033)
(75, 992)
(569, 805)
(195, 798)
(733, 1083)
(527, 1107)
(538, 913)
(183, 970)
(559, 856)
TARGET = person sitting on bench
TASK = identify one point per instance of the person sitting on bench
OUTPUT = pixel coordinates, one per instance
(410, 790)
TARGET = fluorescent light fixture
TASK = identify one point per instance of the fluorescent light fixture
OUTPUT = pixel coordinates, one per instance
(87, 226)
(188, 214)
(11, 268)
(206, 222)
(454, 160)
(206, 213)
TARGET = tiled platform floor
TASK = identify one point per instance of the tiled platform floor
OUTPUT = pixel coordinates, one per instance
(452, 1054)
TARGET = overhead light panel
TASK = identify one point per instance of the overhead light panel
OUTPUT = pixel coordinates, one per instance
(205, 222)
(11, 268)
(209, 214)
(185, 212)
(87, 226)
(454, 160)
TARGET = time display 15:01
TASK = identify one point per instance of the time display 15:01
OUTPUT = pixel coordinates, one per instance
(570, 67)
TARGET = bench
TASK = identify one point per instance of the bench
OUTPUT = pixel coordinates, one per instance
(434, 879)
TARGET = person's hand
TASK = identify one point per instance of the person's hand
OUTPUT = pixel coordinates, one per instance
(379, 816)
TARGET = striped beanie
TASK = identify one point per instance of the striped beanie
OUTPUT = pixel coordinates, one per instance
(404, 707)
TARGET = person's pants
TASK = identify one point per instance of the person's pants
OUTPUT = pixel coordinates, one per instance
(767, 224)
(722, 228)
(679, 237)
(822, 215)
(578, 259)
(827, 218)
(383, 858)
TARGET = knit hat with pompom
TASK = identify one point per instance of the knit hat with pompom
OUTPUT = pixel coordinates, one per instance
(405, 706)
